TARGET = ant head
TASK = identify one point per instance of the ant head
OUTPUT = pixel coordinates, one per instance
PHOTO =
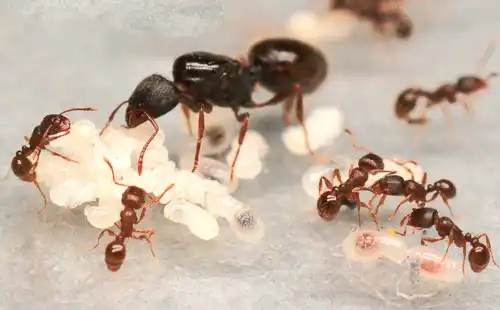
(58, 123)
(115, 254)
(134, 197)
(470, 84)
(328, 205)
(404, 28)
(370, 162)
(22, 166)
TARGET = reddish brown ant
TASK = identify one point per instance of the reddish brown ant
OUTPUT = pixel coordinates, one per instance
(25, 161)
(346, 193)
(446, 93)
(424, 218)
(133, 198)
(286, 67)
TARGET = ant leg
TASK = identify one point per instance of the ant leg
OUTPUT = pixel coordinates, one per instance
(424, 179)
(434, 196)
(110, 233)
(336, 174)
(467, 106)
(113, 172)
(299, 114)
(449, 120)
(327, 182)
(464, 255)
(287, 108)
(147, 237)
(488, 243)
(144, 148)
(403, 223)
(187, 118)
(354, 144)
(445, 200)
(431, 240)
(243, 119)
(488, 52)
(450, 242)
(111, 117)
(376, 171)
(201, 131)
(399, 205)
(37, 185)
(380, 203)
(60, 155)
(157, 199)
(373, 216)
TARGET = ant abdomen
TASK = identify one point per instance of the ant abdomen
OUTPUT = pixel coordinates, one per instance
(391, 185)
(134, 197)
(423, 217)
(479, 257)
(328, 206)
(470, 84)
(115, 255)
(371, 162)
(22, 167)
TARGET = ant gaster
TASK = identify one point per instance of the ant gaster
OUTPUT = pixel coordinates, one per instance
(424, 218)
(133, 198)
(446, 93)
(25, 161)
(286, 67)
(346, 193)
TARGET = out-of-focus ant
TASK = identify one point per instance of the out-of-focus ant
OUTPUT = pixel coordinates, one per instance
(346, 193)
(447, 93)
(425, 218)
(133, 199)
(25, 161)
(384, 15)
(286, 67)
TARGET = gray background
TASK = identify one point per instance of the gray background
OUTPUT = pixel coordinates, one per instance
(60, 54)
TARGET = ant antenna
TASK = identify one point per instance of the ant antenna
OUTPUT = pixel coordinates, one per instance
(487, 55)
(77, 109)
(113, 173)
(354, 144)
(112, 116)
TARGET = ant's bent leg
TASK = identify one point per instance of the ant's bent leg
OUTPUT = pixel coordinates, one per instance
(110, 233)
(187, 118)
(327, 182)
(287, 108)
(146, 237)
(431, 240)
(399, 206)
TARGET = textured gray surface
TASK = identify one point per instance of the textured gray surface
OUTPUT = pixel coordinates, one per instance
(61, 54)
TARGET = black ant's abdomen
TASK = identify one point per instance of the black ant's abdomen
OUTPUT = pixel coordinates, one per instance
(115, 255)
(285, 62)
(154, 95)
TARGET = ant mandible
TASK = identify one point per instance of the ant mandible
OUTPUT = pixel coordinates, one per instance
(25, 161)
(380, 13)
(425, 218)
(465, 85)
(133, 198)
(346, 193)
(286, 67)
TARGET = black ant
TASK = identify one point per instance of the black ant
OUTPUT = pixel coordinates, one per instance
(380, 13)
(425, 218)
(133, 198)
(25, 161)
(286, 67)
(465, 85)
(346, 193)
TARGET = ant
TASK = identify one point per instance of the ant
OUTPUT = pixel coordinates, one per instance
(380, 13)
(425, 218)
(287, 67)
(346, 193)
(133, 198)
(25, 161)
(448, 92)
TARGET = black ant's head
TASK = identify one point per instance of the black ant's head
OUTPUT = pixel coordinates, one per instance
(134, 197)
(471, 84)
(404, 28)
(115, 255)
(328, 205)
(445, 188)
(468, 238)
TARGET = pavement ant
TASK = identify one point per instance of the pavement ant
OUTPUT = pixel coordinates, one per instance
(286, 67)
(133, 198)
(424, 218)
(25, 161)
(447, 93)
(346, 193)
(382, 14)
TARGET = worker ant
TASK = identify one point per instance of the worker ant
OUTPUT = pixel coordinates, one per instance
(382, 14)
(424, 218)
(25, 161)
(346, 193)
(447, 93)
(286, 67)
(133, 198)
